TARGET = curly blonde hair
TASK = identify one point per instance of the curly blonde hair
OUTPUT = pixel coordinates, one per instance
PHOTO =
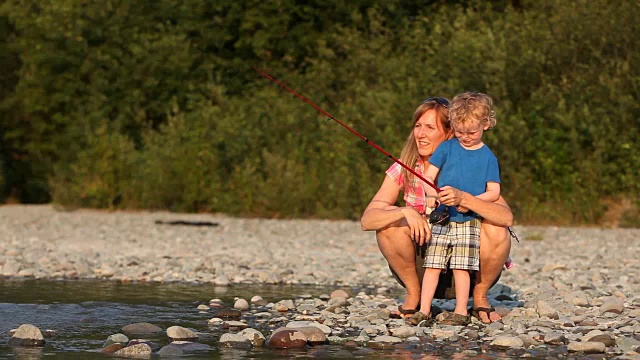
(471, 107)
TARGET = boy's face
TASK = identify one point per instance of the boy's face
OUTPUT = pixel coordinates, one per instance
(469, 134)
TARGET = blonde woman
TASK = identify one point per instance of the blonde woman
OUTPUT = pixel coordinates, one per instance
(401, 231)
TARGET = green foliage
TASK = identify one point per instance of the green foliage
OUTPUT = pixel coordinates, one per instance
(153, 104)
(101, 173)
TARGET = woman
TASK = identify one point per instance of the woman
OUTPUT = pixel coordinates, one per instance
(400, 231)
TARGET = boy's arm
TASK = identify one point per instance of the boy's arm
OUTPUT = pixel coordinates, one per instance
(431, 193)
(492, 193)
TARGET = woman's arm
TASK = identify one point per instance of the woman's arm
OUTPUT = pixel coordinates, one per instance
(498, 212)
(381, 212)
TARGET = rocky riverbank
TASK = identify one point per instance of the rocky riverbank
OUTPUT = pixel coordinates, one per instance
(572, 289)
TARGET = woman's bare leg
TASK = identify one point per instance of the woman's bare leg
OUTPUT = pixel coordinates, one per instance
(397, 247)
(495, 244)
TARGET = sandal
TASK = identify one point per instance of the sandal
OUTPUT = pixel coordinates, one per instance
(404, 312)
(455, 319)
(475, 312)
(418, 318)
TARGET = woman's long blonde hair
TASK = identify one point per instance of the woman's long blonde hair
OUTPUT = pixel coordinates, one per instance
(409, 155)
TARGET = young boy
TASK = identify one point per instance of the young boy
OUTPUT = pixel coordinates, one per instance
(465, 163)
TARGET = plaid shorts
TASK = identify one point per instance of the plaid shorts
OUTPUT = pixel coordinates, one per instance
(456, 245)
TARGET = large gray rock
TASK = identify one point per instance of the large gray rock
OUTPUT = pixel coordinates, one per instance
(142, 328)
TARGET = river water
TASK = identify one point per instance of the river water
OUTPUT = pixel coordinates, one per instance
(84, 313)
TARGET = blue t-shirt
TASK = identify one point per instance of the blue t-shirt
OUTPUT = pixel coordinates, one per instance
(467, 170)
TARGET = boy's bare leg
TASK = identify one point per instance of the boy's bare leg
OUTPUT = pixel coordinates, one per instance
(429, 285)
(398, 248)
(495, 245)
(463, 283)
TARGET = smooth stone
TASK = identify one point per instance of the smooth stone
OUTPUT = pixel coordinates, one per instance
(340, 293)
(258, 301)
(314, 335)
(179, 333)
(507, 342)
(597, 335)
(141, 328)
(234, 341)
(589, 347)
(234, 324)
(27, 335)
(544, 309)
(612, 305)
(117, 339)
(229, 313)
(190, 346)
(110, 349)
(287, 338)
(256, 337)
(170, 350)
(241, 304)
(137, 350)
(554, 338)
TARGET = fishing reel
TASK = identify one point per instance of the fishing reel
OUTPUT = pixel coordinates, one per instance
(440, 216)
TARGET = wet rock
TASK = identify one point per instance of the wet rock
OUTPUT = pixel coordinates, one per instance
(190, 347)
(588, 347)
(142, 328)
(256, 338)
(241, 304)
(27, 335)
(231, 324)
(314, 335)
(137, 351)
(234, 341)
(178, 333)
(170, 351)
(285, 338)
(258, 301)
(215, 321)
(340, 293)
(121, 339)
(229, 314)
(112, 348)
(203, 307)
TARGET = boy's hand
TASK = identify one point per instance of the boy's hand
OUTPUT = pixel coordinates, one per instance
(430, 201)
(461, 209)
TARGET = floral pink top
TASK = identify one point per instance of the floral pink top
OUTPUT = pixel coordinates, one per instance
(413, 193)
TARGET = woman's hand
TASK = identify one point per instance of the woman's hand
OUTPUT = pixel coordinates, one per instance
(418, 225)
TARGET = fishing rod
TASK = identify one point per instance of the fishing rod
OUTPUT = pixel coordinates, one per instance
(264, 74)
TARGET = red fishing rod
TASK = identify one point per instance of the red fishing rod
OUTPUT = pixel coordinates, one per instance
(346, 127)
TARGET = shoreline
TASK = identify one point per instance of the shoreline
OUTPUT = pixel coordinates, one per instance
(570, 289)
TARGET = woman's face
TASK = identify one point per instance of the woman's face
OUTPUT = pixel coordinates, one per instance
(428, 133)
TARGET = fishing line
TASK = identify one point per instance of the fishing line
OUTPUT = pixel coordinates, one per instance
(264, 74)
